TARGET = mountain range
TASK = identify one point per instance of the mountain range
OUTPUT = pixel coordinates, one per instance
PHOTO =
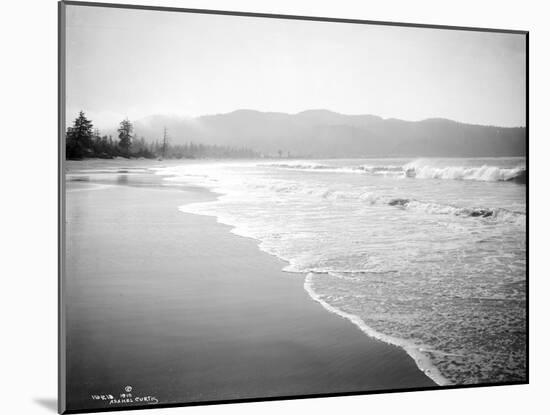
(323, 133)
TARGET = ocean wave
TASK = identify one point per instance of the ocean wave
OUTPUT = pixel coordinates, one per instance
(485, 173)
(419, 169)
(496, 214)
(373, 253)
(297, 166)
(389, 170)
(422, 361)
(314, 167)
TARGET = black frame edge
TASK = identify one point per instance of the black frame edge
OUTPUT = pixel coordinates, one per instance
(288, 16)
(61, 340)
(62, 408)
(527, 139)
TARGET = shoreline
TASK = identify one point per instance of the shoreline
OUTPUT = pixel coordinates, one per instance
(422, 361)
(149, 307)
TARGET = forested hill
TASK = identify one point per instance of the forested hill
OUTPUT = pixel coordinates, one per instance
(322, 133)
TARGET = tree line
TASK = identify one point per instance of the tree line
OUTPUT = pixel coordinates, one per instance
(83, 141)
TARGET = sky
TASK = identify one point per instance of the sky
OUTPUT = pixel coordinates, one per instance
(135, 63)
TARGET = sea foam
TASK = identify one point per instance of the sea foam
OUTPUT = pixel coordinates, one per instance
(422, 361)
(419, 169)
(410, 262)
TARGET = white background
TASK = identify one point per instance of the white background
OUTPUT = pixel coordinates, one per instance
(28, 203)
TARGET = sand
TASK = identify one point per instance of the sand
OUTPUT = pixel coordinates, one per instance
(181, 310)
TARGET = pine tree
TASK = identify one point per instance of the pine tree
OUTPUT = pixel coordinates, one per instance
(125, 136)
(79, 138)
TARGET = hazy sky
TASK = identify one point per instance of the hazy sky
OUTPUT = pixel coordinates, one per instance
(136, 63)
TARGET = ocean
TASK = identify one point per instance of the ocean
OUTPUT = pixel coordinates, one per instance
(426, 254)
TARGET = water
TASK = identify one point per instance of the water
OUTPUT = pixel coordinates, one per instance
(427, 254)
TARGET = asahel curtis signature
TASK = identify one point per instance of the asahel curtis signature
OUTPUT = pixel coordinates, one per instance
(126, 397)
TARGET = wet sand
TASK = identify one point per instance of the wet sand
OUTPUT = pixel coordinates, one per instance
(181, 310)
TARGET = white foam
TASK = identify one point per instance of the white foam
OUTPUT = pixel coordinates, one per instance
(296, 165)
(421, 170)
(497, 214)
(334, 225)
(422, 361)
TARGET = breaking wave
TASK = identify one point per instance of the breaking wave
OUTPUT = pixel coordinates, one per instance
(497, 214)
(419, 169)
(485, 173)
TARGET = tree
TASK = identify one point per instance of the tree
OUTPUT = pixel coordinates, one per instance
(79, 137)
(125, 136)
(164, 143)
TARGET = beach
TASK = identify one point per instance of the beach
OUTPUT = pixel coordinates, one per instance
(181, 310)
